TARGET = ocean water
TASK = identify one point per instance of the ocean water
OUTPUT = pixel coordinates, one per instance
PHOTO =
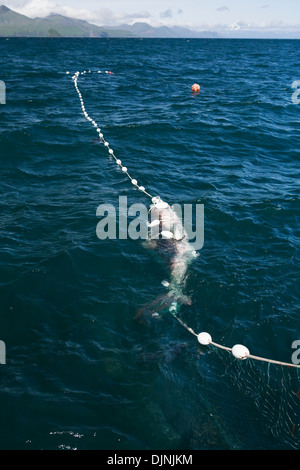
(81, 371)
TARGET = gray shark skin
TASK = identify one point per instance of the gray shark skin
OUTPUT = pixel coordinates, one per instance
(168, 237)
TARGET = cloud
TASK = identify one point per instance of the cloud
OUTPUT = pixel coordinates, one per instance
(274, 29)
(102, 16)
(180, 11)
(138, 15)
(166, 14)
(43, 8)
(223, 9)
(238, 25)
(234, 27)
(265, 6)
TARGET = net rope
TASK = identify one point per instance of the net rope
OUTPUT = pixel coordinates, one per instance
(143, 190)
(101, 136)
(269, 382)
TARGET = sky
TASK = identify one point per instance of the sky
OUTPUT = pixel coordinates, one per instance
(223, 16)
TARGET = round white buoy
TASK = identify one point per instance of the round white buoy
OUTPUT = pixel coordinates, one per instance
(155, 199)
(240, 352)
(161, 205)
(153, 223)
(167, 234)
(101, 137)
(204, 338)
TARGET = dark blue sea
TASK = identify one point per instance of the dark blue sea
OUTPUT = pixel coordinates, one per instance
(82, 371)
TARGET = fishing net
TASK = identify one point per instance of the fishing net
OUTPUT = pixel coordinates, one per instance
(274, 391)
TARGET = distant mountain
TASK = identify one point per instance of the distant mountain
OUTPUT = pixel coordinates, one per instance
(144, 30)
(15, 24)
(188, 33)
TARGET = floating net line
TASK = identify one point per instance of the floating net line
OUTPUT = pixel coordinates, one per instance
(101, 137)
(268, 382)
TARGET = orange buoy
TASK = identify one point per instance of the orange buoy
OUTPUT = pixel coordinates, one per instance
(196, 88)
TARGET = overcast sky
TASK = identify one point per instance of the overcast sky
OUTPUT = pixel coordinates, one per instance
(218, 15)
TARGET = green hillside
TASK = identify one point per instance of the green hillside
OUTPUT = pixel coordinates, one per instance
(14, 24)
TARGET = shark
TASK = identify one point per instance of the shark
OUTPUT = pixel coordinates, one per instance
(167, 235)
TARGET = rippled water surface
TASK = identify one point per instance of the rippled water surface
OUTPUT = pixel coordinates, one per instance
(81, 372)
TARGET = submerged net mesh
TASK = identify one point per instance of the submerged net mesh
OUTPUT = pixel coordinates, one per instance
(273, 387)
(275, 392)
